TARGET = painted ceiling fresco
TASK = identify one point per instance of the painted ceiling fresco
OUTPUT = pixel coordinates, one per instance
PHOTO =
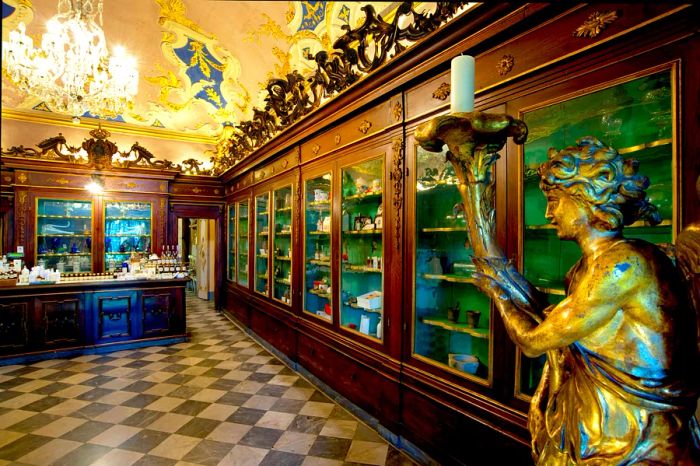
(205, 66)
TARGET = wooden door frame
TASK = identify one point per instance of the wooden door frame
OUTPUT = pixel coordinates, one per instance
(214, 211)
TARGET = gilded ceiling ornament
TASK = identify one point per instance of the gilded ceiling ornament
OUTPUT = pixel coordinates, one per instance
(595, 24)
(397, 111)
(442, 92)
(364, 126)
(505, 64)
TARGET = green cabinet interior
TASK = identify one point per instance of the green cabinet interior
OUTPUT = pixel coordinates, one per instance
(64, 235)
(362, 248)
(317, 247)
(282, 242)
(231, 257)
(452, 319)
(242, 243)
(262, 236)
(127, 229)
(635, 117)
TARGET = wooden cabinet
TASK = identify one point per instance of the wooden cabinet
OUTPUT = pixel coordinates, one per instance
(622, 73)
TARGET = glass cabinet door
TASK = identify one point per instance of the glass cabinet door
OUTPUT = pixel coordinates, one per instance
(317, 247)
(262, 235)
(242, 249)
(282, 259)
(634, 117)
(64, 235)
(231, 261)
(452, 318)
(127, 229)
(361, 242)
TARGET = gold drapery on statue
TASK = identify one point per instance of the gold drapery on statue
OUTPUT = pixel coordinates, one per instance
(622, 376)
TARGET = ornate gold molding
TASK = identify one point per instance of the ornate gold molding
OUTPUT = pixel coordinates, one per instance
(315, 148)
(364, 126)
(161, 216)
(100, 152)
(505, 65)
(22, 216)
(595, 24)
(397, 180)
(442, 92)
(397, 111)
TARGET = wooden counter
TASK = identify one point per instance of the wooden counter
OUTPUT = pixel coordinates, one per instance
(69, 319)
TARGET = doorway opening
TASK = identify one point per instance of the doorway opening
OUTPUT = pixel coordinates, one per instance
(196, 239)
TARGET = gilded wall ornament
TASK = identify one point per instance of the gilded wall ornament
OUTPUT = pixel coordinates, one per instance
(21, 178)
(337, 139)
(442, 92)
(397, 179)
(505, 65)
(60, 181)
(397, 111)
(21, 215)
(315, 148)
(364, 126)
(595, 24)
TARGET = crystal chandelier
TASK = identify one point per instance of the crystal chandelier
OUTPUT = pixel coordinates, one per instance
(72, 72)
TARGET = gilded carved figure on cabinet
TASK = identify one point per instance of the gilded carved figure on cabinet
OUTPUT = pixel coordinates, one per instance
(621, 381)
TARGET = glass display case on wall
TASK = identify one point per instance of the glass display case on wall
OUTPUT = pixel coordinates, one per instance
(242, 240)
(231, 257)
(636, 118)
(317, 247)
(262, 236)
(127, 229)
(64, 235)
(452, 319)
(361, 252)
(282, 243)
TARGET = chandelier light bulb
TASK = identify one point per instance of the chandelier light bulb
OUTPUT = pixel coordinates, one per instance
(73, 71)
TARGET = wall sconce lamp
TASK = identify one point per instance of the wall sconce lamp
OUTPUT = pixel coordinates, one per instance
(96, 185)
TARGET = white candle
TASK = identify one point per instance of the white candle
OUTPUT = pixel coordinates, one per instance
(462, 84)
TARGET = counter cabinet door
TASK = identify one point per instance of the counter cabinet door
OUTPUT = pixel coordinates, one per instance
(15, 325)
(116, 316)
(61, 319)
(161, 312)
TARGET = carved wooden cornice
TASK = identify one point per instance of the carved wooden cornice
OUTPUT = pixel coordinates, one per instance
(358, 52)
(100, 152)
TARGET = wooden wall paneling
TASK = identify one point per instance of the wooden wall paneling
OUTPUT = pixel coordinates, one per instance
(16, 322)
(62, 319)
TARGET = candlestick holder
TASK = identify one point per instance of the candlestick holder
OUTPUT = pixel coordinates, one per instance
(473, 140)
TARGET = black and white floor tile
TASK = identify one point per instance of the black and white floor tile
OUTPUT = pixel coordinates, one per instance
(219, 399)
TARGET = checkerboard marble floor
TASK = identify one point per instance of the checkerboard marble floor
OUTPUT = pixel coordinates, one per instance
(219, 399)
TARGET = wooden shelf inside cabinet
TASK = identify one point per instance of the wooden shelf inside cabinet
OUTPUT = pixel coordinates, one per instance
(376, 231)
(283, 233)
(284, 209)
(361, 269)
(283, 258)
(319, 205)
(128, 218)
(262, 256)
(126, 253)
(320, 233)
(64, 216)
(263, 213)
(263, 233)
(319, 262)
(363, 196)
(444, 229)
(355, 306)
(283, 281)
(448, 278)
(64, 235)
(320, 294)
(456, 327)
(126, 235)
(64, 254)
(262, 276)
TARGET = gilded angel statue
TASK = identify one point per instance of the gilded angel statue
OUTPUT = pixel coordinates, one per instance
(623, 376)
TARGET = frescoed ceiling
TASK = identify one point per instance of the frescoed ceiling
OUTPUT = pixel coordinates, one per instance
(203, 64)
